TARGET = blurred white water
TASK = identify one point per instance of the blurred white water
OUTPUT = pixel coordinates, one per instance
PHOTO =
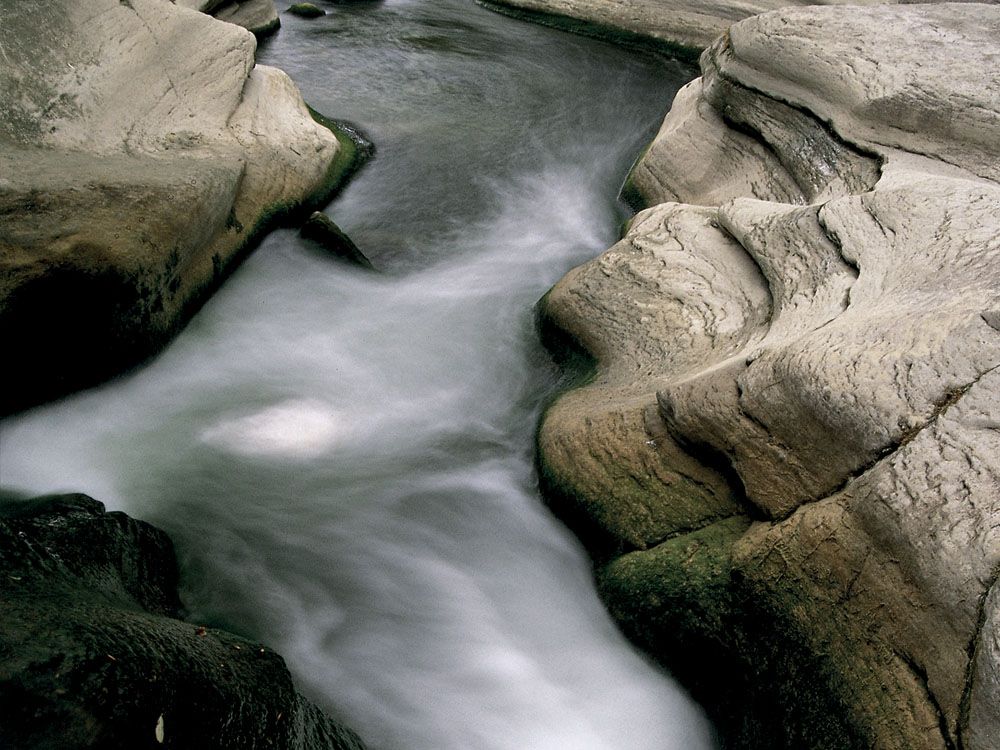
(344, 458)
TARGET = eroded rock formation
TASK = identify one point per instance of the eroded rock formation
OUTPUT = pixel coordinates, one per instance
(141, 149)
(92, 653)
(789, 456)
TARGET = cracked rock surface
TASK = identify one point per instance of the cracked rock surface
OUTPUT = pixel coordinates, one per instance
(93, 653)
(140, 150)
(806, 319)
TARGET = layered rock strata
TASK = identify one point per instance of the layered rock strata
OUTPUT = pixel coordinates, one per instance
(141, 150)
(788, 457)
(93, 653)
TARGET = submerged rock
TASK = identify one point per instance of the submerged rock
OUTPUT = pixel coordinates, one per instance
(322, 230)
(806, 323)
(141, 152)
(306, 10)
(93, 653)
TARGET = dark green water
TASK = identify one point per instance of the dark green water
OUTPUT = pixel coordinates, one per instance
(343, 458)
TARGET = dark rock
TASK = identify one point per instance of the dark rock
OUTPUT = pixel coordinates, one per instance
(321, 229)
(306, 10)
(93, 653)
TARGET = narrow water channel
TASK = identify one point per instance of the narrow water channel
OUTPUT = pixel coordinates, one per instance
(344, 459)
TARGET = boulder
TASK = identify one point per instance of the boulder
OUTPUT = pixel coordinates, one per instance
(142, 151)
(806, 317)
(93, 652)
(306, 10)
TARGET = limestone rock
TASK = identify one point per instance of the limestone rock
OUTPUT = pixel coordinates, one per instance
(814, 303)
(141, 151)
(92, 653)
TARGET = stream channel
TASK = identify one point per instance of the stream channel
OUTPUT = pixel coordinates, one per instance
(344, 458)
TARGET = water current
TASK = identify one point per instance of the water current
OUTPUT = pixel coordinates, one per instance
(344, 458)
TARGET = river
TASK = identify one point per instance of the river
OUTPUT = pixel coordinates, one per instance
(344, 458)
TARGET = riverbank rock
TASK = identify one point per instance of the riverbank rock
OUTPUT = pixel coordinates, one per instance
(93, 653)
(141, 152)
(673, 25)
(257, 16)
(806, 321)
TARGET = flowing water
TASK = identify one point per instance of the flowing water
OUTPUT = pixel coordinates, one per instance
(344, 458)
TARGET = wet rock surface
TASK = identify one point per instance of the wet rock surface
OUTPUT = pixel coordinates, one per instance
(93, 653)
(323, 231)
(803, 315)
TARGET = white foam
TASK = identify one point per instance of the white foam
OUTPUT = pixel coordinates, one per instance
(294, 429)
